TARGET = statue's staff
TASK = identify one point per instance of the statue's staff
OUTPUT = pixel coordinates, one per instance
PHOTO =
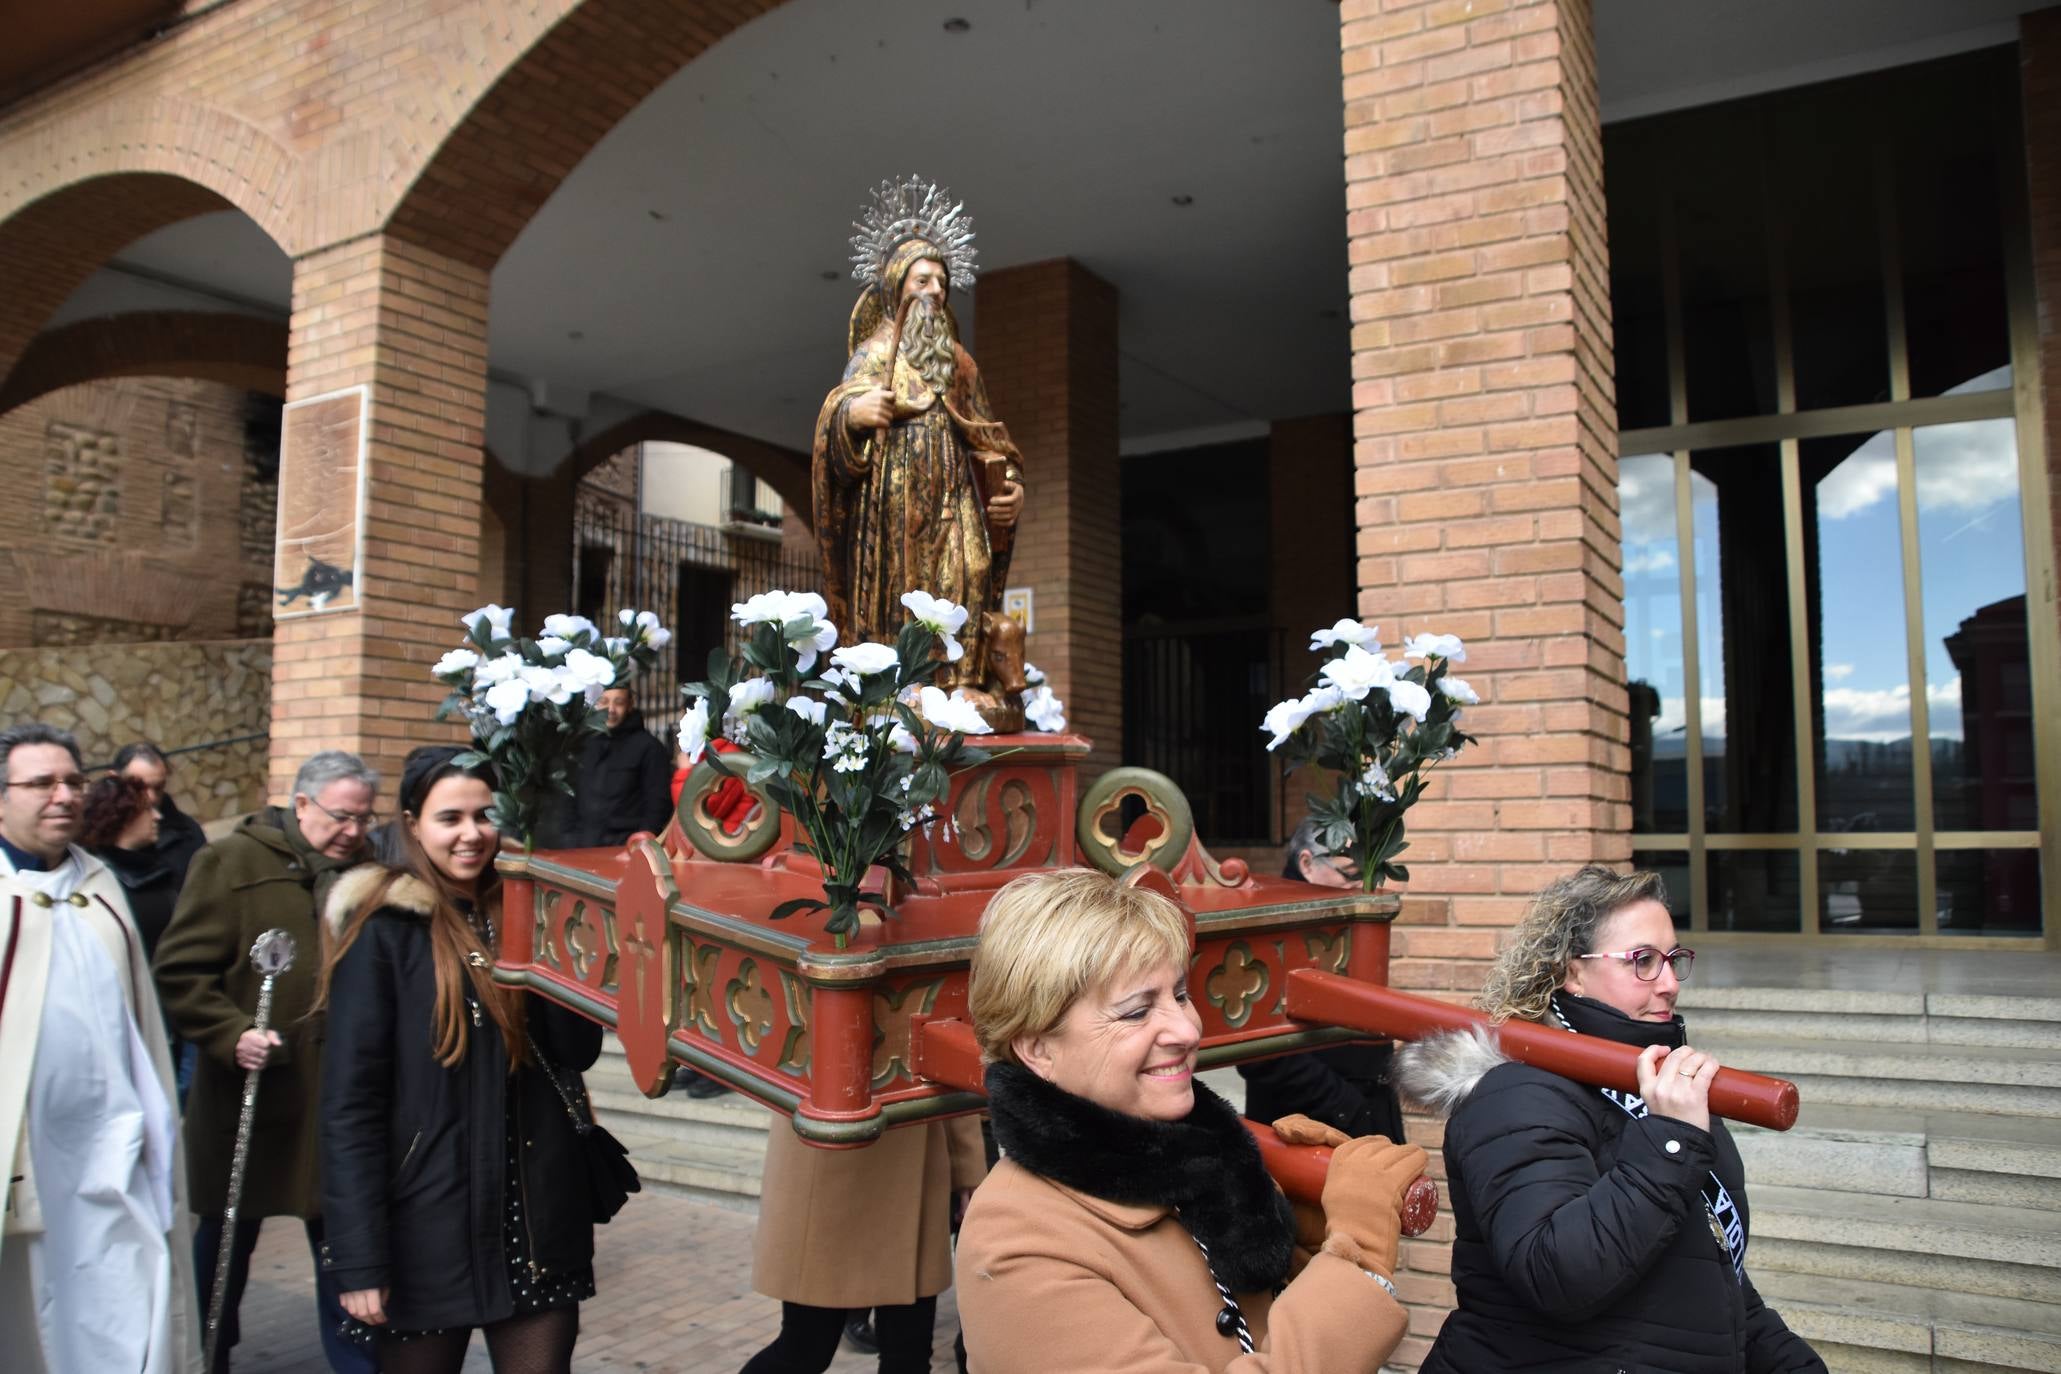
(271, 954)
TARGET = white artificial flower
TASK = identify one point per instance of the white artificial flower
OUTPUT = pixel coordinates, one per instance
(952, 712)
(911, 819)
(845, 746)
(569, 627)
(629, 617)
(1357, 672)
(819, 638)
(747, 697)
(1456, 689)
(808, 708)
(506, 699)
(1409, 698)
(694, 731)
(503, 668)
(551, 646)
(832, 679)
(590, 673)
(1283, 719)
(1367, 637)
(1044, 710)
(901, 741)
(941, 617)
(496, 618)
(864, 660)
(1428, 645)
(649, 631)
(1033, 675)
(547, 684)
(616, 646)
(1376, 780)
(457, 661)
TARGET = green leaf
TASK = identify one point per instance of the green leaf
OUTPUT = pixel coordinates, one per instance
(796, 905)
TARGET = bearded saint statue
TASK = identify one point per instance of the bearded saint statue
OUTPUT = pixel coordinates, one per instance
(917, 486)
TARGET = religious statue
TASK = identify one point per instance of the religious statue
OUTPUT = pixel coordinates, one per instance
(917, 486)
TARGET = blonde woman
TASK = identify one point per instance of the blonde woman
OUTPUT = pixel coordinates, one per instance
(1594, 1229)
(1130, 1225)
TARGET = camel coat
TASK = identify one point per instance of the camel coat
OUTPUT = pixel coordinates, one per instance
(1051, 1278)
(870, 1227)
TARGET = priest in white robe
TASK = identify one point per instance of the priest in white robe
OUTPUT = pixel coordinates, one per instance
(95, 1272)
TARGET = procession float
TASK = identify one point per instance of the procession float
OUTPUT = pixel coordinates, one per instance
(876, 760)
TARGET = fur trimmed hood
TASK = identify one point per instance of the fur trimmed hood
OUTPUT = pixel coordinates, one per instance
(1440, 1072)
(409, 893)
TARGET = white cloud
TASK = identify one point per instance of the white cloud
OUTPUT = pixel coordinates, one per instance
(1646, 498)
(1641, 559)
(1969, 467)
(1883, 714)
(1838, 672)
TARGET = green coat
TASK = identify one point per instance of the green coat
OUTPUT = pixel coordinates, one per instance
(261, 876)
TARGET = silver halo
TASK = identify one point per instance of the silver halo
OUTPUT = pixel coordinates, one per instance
(912, 208)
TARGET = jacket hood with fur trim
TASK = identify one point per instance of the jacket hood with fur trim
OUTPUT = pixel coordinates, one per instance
(1440, 1072)
(409, 893)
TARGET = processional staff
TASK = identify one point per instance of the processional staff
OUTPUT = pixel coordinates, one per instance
(271, 954)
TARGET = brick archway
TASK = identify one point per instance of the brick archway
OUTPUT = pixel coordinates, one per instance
(237, 350)
(505, 156)
(784, 470)
(88, 187)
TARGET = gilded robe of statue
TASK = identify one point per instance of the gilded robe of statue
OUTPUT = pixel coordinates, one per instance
(906, 515)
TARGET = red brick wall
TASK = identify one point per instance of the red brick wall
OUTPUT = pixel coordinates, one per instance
(136, 515)
(1484, 457)
(1047, 350)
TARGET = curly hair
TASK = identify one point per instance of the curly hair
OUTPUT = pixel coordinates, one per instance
(111, 803)
(1560, 924)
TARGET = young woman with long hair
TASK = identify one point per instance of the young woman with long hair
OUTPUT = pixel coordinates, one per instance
(447, 1104)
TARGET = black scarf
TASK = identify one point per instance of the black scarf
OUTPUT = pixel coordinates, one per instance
(1205, 1166)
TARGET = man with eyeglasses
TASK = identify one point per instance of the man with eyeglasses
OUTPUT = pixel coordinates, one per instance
(93, 1258)
(272, 872)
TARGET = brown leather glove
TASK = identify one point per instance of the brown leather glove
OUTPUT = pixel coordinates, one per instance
(1305, 1130)
(1363, 1200)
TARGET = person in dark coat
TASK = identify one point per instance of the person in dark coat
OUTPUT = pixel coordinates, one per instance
(179, 836)
(453, 1182)
(624, 781)
(1344, 1086)
(1593, 1229)
(120, 828)
(271, 872)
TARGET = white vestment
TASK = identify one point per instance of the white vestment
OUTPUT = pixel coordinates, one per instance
(95, 1250)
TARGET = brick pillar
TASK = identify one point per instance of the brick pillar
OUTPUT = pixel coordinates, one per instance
(1485, 459)
(413, 325)
(1047, 349)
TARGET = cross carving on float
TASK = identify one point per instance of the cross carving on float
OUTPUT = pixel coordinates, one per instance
(644, 1002)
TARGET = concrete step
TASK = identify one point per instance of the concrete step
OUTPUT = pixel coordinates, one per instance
(1900, 1017)
(1952, 1156)
(717, 1175)
(1863, 1327)
(1919, 1077)
(1959, 1247)
(731, 1121)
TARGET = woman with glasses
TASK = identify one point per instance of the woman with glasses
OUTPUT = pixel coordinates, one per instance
(1594, 1229)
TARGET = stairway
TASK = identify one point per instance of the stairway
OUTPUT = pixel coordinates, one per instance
(707, 1151)
(1911, 1220)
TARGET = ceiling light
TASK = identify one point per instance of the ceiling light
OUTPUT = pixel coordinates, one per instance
(830, 274)
(1184, 201)
(957, 25)
(575, 334)
(658, 215)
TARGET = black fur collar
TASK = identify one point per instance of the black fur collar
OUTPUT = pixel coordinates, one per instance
(1205, 1166)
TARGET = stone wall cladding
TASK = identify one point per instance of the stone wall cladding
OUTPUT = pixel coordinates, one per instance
(173, 695)
(1485, 466)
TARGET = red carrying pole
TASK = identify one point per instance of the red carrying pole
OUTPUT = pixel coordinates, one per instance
(1328, 999)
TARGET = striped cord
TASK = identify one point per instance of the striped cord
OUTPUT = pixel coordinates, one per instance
(1231, 1310)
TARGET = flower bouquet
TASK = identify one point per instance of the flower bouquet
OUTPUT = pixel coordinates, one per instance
(853, 742)
(532, 702)
(1381, 727)
(1044, 711)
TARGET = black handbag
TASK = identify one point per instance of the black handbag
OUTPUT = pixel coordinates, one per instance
(610, 1176)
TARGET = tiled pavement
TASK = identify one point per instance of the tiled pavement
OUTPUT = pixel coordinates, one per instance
(674, 1281)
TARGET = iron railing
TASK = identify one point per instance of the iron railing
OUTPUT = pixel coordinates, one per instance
(1194, 696)
(690, 575)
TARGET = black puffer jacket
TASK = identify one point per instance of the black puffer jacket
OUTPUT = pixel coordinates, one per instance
(1346, 1086)
(414, 1155)
(1581, 1238)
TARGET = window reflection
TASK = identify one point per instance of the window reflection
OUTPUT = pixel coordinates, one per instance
(1861, 711)
(1868, 891)
(1989, 891)
(1653, 643)
(1978, 669)
(1756, 889)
